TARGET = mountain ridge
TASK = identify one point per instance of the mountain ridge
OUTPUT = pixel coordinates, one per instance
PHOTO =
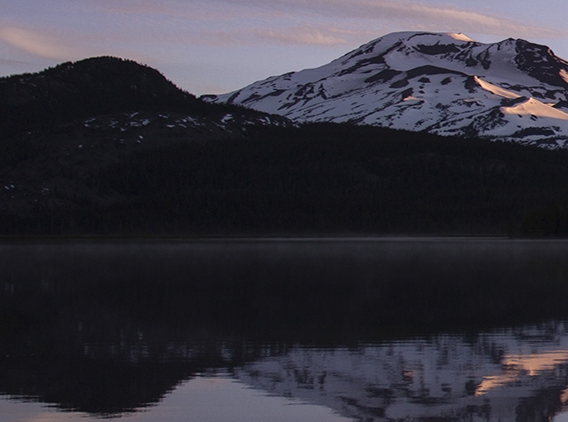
(94, 87)
(60, 126)
(77, 160)
(443, 83)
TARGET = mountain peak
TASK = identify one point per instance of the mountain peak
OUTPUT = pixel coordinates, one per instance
(459, 36)
(428, 38)
(445, 83)
(91, 76)
(89, 87)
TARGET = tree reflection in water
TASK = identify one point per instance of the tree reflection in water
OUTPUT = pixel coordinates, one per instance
(356, 326)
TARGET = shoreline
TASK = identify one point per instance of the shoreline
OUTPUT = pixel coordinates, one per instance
(352, 237)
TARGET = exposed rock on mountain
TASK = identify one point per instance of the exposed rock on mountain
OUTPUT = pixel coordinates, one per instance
(107, 146)
(446, 84)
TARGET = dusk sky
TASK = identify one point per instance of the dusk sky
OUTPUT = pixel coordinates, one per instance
(217, 46)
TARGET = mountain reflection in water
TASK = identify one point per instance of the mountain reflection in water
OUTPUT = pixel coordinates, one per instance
(372, 330)
(491, 376)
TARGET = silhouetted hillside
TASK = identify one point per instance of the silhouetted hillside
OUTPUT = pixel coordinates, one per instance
(315, 179)
(107, 146)
(88, 88)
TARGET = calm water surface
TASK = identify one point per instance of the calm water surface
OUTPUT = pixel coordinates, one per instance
(285, 330)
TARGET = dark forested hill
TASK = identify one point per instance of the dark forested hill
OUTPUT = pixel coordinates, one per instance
(109, 147)
(88, 88)
(343, 179)
(317, 179)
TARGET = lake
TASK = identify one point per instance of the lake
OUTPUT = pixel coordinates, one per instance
(285, 330)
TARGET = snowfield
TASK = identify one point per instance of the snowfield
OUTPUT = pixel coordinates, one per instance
(442, 83)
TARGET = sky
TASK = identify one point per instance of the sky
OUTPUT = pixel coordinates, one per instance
(204, 399)
(218, 46)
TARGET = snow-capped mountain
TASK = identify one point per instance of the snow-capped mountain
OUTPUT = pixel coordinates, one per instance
(515, 375)
(443, 83)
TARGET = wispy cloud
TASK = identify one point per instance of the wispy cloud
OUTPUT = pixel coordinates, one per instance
(13, 62)
(446, 18)
(190, 10)
(38, 43)
(141, 7)
(59, 45)
(303, 36)
(293, 35)
(422, 16)
(292, 22)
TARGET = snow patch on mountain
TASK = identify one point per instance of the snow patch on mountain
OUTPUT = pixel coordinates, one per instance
(494, 89)
(442, 83)
(460, 37)
(535, 108)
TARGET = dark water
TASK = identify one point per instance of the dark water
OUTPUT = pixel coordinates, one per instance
(281, 330)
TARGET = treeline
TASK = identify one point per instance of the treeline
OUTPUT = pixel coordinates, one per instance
(320, 179)
(87, 88)
(173, 311)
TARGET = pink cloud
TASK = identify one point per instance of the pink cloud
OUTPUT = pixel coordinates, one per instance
(38, 43)
(434, 17)
(302, 36)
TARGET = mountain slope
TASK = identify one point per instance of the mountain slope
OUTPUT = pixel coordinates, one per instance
(129, 159)
(446, 84)
(61, 127)
(90, 88)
